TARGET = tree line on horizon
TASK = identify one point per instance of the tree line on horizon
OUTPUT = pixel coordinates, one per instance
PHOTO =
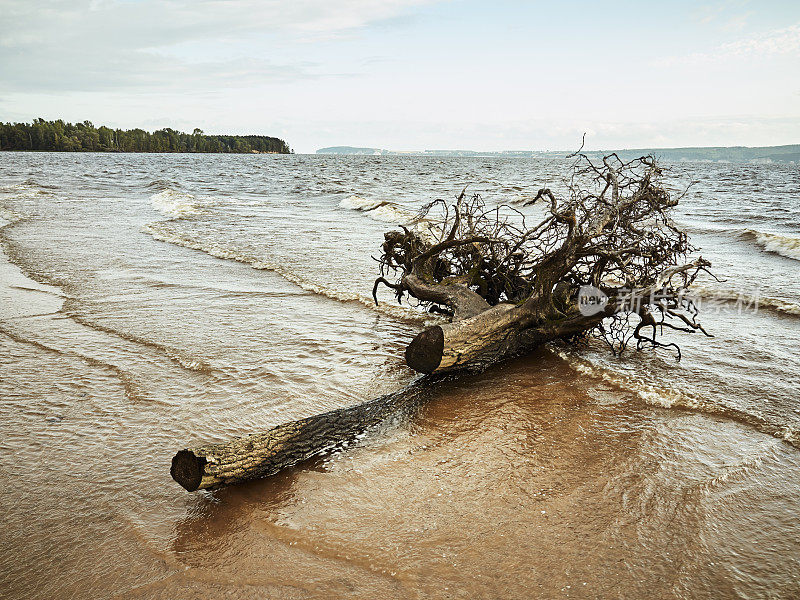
(58, 136)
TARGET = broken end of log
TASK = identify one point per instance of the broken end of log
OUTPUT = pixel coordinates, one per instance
(424, 353)
(188, 469)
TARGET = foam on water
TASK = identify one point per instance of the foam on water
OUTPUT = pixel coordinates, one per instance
(220, 251)
(175, 204)
(777, 243)
(662, 396)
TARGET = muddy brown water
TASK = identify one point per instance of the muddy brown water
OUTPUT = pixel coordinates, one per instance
(153, 302)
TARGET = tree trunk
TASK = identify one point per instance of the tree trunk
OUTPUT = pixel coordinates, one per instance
(508, 288)
(260, 455)
(490, 336)
(503, 330)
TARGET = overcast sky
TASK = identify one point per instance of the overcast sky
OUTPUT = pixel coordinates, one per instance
(412, 74)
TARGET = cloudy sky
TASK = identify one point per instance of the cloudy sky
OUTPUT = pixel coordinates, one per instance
(412, 74)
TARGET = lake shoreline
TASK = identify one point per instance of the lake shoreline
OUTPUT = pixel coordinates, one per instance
(562, 473)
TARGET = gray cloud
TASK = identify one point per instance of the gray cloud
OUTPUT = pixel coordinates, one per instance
(89, 45)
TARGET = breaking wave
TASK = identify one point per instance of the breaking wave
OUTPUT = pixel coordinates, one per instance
(30, 188)
(403, 313)
(163, 184)
(522, 198)
(31, 183)
(385, 211)
(7, 216)
(749, 301)
(388, 212)
(663, 397)
(782, 306)
(776, 243)
(175, 204)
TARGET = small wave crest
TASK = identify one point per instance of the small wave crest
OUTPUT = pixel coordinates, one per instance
(175, 204)
(182, 358)
(219, 251)
(783, 306)
(388, 212)
(385, 211)
(522, 198)
(776, 243)
(664, 397)
(31, 183)
(7, 216)
(30, 188)
(749, 301)
(163, 184)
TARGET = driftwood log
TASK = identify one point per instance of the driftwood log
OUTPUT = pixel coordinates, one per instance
(263, 454)
(506, 288)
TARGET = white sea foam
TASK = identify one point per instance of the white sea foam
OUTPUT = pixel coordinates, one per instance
(385, 211)
(784, 245)
(220, 251)
(175, 204)
(357, 203)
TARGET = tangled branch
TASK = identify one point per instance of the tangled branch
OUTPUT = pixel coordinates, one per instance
(611, 230)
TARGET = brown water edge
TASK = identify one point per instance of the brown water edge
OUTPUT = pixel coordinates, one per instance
(518, 483)
(527, 481)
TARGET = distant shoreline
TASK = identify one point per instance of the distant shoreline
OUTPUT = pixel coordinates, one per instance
(143, 151)
(745, 154)
(59, 136)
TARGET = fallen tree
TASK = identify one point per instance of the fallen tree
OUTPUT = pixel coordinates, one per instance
(605, 259)
(214, 466)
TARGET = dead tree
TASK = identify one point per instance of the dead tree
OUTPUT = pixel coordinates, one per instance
(213, 466)
(508, 287)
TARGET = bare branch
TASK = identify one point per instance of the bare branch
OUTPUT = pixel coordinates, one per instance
(612, 229)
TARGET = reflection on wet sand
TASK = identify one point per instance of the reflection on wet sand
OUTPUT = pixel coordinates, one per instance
(516, 483)
(543, 477)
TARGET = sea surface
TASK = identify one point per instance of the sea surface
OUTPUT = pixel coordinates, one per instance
(154, 302)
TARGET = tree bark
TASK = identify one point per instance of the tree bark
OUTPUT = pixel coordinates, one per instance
(256, 456)
(490, 336)
(505, 330)
(508, 288)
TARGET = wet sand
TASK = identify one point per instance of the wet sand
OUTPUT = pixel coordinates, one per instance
(535, 479)
(527, 481)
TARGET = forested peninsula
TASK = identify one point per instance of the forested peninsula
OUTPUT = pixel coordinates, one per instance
(58, 136)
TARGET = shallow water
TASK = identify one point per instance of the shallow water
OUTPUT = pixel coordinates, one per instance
(150, 302)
